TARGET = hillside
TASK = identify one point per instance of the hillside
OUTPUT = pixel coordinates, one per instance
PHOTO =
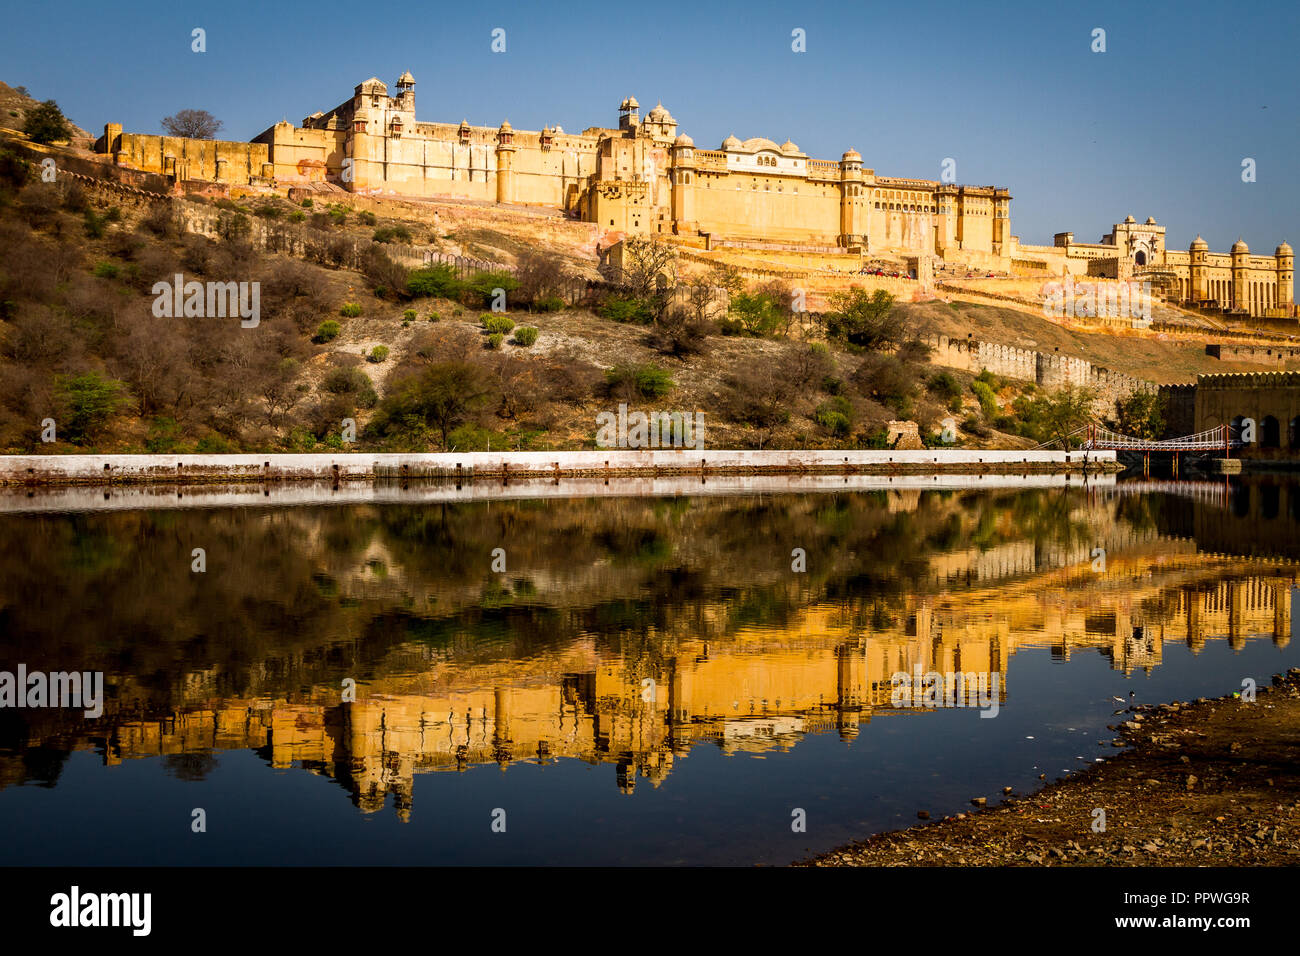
(344, 333)
(1160, 359)
(14, 105)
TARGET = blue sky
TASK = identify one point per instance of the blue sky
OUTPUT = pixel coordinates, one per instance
(1158, 125)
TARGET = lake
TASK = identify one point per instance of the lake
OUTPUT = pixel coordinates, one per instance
(642, 673)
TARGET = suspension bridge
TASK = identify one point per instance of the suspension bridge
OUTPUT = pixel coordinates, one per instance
(1218, 440)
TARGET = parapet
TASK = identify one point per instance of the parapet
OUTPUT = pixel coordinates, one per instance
(1249, 380)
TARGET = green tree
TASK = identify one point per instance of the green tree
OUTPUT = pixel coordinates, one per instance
(442, 396)
(1065, 412)
(1141, 414)
(45, 123)
(988, 401)
(758, 314)
(646, 380)
(438, 280)
(481, 288)
(864, 320)
(88, 401)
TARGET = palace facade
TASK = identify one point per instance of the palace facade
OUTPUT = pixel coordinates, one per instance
(641, 177)
(645, 177)
(1232, 282)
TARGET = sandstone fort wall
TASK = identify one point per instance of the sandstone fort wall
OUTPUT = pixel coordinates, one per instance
(1047, 369)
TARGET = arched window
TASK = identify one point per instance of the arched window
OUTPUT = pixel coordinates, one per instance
(1269, 433)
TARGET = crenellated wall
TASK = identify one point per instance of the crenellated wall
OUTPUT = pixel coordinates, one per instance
(1179, 409)
(1047, 369)
(1270, 399)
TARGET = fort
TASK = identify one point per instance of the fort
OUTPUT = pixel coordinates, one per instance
(1270, 399)
(645, 177)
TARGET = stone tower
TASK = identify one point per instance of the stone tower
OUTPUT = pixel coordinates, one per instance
(659, 124)
(367, 149)
(505, 162)
(684, 184)
(852, 213)
(945, 230)
(1001, 221)
(1240, 265)
(406, 94)
(629, 117)
(1285, 276)
(1199, 252)
(850, 688)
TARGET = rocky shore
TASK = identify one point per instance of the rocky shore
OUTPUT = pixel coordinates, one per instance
(1201, 783)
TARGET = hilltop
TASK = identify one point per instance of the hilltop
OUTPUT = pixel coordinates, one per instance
(14, 104)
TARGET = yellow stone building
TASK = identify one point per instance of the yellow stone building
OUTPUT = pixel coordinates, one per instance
(641, 177)
(1234, 282)
(644, 177)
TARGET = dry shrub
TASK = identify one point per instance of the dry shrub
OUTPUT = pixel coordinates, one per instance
(568, 378)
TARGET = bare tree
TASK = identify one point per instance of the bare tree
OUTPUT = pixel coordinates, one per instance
(649, 267)
(192, 124)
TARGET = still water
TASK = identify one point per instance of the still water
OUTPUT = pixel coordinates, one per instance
(659, 678)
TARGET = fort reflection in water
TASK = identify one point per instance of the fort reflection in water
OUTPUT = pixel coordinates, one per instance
(623, 632)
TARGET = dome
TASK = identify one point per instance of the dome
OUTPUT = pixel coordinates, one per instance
(731, 142)
(683, 140)
(630, 104)
(1283, 250)
(1199, 243)
(406, 79)
(851, 155)
(789, 147)
(505, 127)
(660, 115)
(1240, 246)
(1129, 219)
(1151, 221)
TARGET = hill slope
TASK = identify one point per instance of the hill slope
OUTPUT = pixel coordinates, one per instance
(14, 105)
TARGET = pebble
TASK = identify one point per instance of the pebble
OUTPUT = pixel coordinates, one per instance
(923, 814)
(979, 801)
